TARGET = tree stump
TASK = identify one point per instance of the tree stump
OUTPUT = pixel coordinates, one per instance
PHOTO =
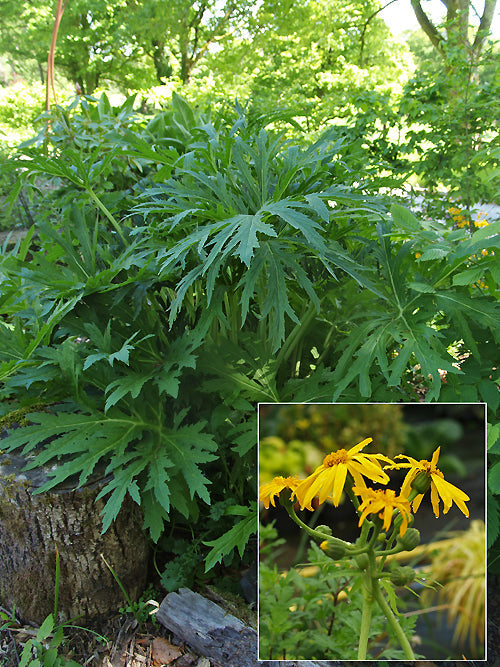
(34, 526)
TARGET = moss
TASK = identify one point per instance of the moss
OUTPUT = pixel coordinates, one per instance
(233, 604)
(18, 416)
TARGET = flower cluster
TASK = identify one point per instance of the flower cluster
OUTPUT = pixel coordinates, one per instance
(346, 470)
(461, 220)
(456, 216)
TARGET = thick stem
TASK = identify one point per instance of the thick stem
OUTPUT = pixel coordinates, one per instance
(298, 331)
(393, 621)
(366, 616)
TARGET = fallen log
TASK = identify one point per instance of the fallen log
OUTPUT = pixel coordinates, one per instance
(208, 629)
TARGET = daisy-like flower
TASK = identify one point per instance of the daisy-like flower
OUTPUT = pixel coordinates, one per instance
(269, 491)
(440, 488)
(383, 502)
(329, 478)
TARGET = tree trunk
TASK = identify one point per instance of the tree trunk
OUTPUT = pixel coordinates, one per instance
(33, 526)
(161, 62)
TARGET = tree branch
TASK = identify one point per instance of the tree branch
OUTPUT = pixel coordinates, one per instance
(484, 25)
(365, 27)
(427, 26)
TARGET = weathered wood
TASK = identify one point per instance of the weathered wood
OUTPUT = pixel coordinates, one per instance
(33, 526)
(209, 629)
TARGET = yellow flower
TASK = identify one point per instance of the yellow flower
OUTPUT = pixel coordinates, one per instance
(418, 254)
(329, 478)
(440, 488)
(268, 492)
(383, 502)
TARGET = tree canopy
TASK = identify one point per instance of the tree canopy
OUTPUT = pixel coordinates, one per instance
(296, 44)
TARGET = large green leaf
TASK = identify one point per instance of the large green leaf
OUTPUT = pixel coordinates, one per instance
(235, 538)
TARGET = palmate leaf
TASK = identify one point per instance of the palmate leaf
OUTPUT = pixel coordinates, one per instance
(131, 383)
(243, 230)
(493, 519)
(150, 460)
(364, 345)
(235, 538)
(81, 440)
(188, 448)
(123, 482)
(368, 347)
(273, 274)
(165, 374)
(286, 209)
(478, 310)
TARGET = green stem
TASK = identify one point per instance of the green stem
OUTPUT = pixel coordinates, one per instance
(366, 617)
(108, 215)
(393, 621)
(295, 335)
(303, 536)
(310, 531)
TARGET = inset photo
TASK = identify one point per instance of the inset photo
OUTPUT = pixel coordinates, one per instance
(372, 538)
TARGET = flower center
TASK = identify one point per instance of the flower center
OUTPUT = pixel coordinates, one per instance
(333, 459)
(428, 468)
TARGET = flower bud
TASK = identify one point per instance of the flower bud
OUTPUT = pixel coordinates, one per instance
(285, 497)
(421, 483)
(333, 548)
(362, 561)
(409, 540)
(325, 530)
(402, 576)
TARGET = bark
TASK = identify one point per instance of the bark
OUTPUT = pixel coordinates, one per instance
(33, 526)
(457, 18)
(484, 26)
(427, 26)
(162, 65)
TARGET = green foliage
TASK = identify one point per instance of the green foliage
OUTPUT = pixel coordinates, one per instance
(94, 42)
(493, 493)
(452, 118)
(314, 612)
(37, 654)
(192, 266)
(19, 108)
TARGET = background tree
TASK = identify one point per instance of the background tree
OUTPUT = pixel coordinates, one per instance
(453, 109)
(457, 29)
(317, 57)
(93, 41)
(178, 34)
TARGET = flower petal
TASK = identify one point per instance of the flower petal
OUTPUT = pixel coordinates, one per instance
(435, 499)
(338, 484)
(435, 457)
(357, 448)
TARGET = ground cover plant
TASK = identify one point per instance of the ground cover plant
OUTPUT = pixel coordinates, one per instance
(191, 266)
